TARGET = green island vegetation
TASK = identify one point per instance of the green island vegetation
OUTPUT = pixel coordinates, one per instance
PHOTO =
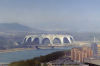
(36, 61)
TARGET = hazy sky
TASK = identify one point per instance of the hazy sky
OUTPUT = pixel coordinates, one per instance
(48, 14)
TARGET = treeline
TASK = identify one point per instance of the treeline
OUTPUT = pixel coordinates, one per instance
(36, 61)
(9, 41)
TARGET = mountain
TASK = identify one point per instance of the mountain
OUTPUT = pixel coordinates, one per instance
(5, 27)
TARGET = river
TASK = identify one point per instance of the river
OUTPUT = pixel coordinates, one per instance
(23, 55)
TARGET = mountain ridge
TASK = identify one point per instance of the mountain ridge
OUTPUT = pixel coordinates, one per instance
(5, 27)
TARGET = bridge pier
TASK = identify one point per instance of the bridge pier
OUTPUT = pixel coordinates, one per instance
(36, 47)
(52, 47)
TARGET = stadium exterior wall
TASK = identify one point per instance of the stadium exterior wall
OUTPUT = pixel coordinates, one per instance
(51, 37)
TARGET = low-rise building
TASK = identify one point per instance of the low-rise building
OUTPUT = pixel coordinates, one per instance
(94, 61)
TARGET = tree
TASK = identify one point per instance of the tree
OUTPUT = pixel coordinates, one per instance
(45, 64)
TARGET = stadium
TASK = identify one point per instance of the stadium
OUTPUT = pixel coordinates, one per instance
(45, 39)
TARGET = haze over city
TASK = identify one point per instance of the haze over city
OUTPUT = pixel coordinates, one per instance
(51, 14)
(49, 32)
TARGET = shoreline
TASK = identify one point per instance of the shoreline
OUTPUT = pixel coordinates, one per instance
(21, 49)
(16, 49)
(4, 63)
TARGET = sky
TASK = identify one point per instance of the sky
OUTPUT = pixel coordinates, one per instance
(51, 14)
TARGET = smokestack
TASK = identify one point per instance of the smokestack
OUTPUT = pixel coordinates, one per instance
(94, 39)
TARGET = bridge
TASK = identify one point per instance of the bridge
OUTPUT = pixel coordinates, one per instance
(54, 46)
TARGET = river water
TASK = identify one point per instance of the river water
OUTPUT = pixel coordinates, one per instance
(23, 55)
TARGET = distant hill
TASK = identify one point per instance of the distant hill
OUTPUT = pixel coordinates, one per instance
(5, 27)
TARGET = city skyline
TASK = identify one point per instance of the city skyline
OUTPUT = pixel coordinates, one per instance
(51, 14)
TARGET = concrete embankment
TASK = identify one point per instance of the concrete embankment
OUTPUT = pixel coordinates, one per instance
(16, 49)
(4, 64)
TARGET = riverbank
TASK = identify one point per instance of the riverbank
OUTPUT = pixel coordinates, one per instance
(16, 49)
(4, 64)
(22, 49)
(36, 61)
(9, 57)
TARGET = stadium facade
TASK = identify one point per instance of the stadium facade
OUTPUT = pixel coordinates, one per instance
(49, 39)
